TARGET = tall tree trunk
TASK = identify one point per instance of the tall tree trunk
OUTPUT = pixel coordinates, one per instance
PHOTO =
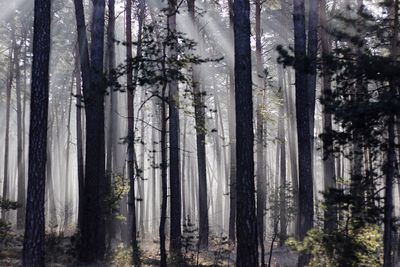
(174, 150)
(93, 224)
(292, 141)
(67, 158)
(303, 116)
(111, 136)
(163, 166)
(79, 139)
(312, 50)
(8, 114)
(282, 143)
(84, 61)
(200, 123)
(246, 229)
(33, 248)
(260, 172)
(183, 171)
(232, 137)
(328, 159)
(391, 152)
(20, 144)
(131, 136)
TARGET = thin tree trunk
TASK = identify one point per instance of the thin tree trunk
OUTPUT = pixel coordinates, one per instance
(131, 136)
(391, 154)
(200, 122)
(328, 159)
(20, 144)
(111, 118)
(282, 143)
(232, 138)
(84, 61)
(67, 152)
(8, 113)
(260, 172)
(79, 139)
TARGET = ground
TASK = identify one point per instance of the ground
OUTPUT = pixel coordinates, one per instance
(60, 252)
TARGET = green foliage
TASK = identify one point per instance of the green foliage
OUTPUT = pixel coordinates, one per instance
(119, 189)
(349, 247)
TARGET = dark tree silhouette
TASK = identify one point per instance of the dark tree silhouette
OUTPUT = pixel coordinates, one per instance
(246, 228)
(33, 250)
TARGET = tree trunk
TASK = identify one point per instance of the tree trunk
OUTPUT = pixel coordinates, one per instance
(391, 153)
(282, 143)
(246, 229)
(232, 137)
(84, 61)
(304, 124)
(33, 248)
(200, 123)
(328, 159)
(79, 141)
(67, 210)
(20, 144)
(8, 113)
(112, 118)
(131, 136)
(163, 166)
(93, 223)
(260, 172)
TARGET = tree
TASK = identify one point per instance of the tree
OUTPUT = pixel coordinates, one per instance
(131, 135)
(84, 61)
(232, 137)
(93, 221)
(328, 158)
(200, 121)
(260, 172)
(305, 50)
(33, 249)
(10, 79)
(246, 228)
(174, 143)
(391, 144)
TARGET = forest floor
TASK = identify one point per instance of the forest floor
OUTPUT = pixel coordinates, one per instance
(60, 252)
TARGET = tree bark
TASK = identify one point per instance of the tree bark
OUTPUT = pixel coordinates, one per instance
(8, 113)
(391, 152)
(84, 61)
(260, 172)
(93, 223)
(33, 248)
(20, 144)
(246, 229)
(232, 137)
(282, 144)
(200, 122)
(131, 136)
(304, 120)
(79, 139)
(328, 159)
